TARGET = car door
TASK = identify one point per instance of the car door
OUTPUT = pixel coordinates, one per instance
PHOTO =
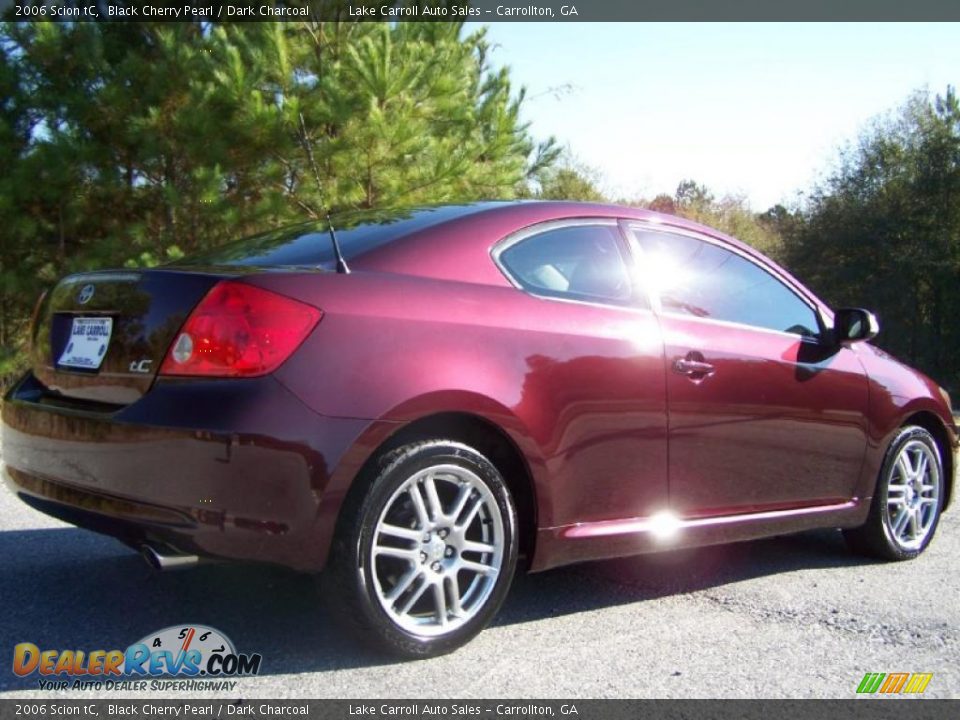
(764, 412)
(594, 394)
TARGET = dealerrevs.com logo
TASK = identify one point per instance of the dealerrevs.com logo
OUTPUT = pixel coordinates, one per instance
(199, 657)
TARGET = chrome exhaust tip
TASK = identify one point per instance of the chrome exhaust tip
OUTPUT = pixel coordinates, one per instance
(160, 558)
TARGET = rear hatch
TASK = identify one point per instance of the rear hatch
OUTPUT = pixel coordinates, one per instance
(101, 337)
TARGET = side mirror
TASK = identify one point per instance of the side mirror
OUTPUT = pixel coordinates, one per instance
(854, 325)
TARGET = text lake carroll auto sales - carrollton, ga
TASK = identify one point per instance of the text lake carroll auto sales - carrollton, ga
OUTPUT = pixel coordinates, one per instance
(194, 657)
(411, 12)
(460, 709)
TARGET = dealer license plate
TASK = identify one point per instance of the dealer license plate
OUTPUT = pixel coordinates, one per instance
(87, 344)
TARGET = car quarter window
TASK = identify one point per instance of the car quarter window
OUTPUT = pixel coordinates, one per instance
(702, 279)
(581, 262)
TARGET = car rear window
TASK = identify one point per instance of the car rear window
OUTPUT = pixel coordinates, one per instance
(309, 244)
(581, 261)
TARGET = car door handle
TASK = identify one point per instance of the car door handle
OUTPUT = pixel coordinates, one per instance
(693, 368)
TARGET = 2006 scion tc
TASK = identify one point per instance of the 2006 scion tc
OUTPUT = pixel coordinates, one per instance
(451, 389)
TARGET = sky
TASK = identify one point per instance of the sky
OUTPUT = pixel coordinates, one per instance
(754, 109)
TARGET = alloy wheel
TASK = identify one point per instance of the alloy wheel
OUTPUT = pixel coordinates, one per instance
(913, 494)
(437, 550)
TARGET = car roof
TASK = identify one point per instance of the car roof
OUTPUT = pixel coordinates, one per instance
(507, 216)
(447, 236)
(414, 237)
(453, 242)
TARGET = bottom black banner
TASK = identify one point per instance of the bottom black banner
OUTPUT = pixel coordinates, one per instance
(868, 709)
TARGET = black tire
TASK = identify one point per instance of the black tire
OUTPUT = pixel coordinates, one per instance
(348, 582)
(876, 538)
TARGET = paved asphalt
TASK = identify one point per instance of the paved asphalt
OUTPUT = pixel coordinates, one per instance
(788, 617)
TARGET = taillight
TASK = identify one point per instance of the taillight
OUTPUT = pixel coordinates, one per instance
(239, 330)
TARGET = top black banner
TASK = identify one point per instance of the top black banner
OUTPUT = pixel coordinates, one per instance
(476, 10)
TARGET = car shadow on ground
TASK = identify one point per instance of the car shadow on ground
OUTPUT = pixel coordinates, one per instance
(66, 588)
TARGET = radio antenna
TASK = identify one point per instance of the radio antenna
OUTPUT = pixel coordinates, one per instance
(337, 253)
(341, 263)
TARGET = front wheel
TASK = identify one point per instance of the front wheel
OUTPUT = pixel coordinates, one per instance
(422, 562)
(907, 501)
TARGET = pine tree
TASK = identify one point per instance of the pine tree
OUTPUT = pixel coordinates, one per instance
(134, 144)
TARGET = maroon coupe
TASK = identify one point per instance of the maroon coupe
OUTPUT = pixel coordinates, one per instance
(414, 401)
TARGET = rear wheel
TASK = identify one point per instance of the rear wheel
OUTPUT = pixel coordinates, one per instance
(906, 505)
(422, 562)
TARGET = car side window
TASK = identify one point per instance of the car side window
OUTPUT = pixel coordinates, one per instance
(698, 278)
(581, 262)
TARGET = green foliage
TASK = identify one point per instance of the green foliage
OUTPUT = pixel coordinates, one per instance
(132, 145)
(568, 179)
(730, 214)
(883, 232)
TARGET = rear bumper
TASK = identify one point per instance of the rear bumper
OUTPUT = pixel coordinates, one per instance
(233, 469)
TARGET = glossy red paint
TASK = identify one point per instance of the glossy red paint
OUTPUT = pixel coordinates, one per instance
(618, 538)
(787, 433)
(779, 424)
